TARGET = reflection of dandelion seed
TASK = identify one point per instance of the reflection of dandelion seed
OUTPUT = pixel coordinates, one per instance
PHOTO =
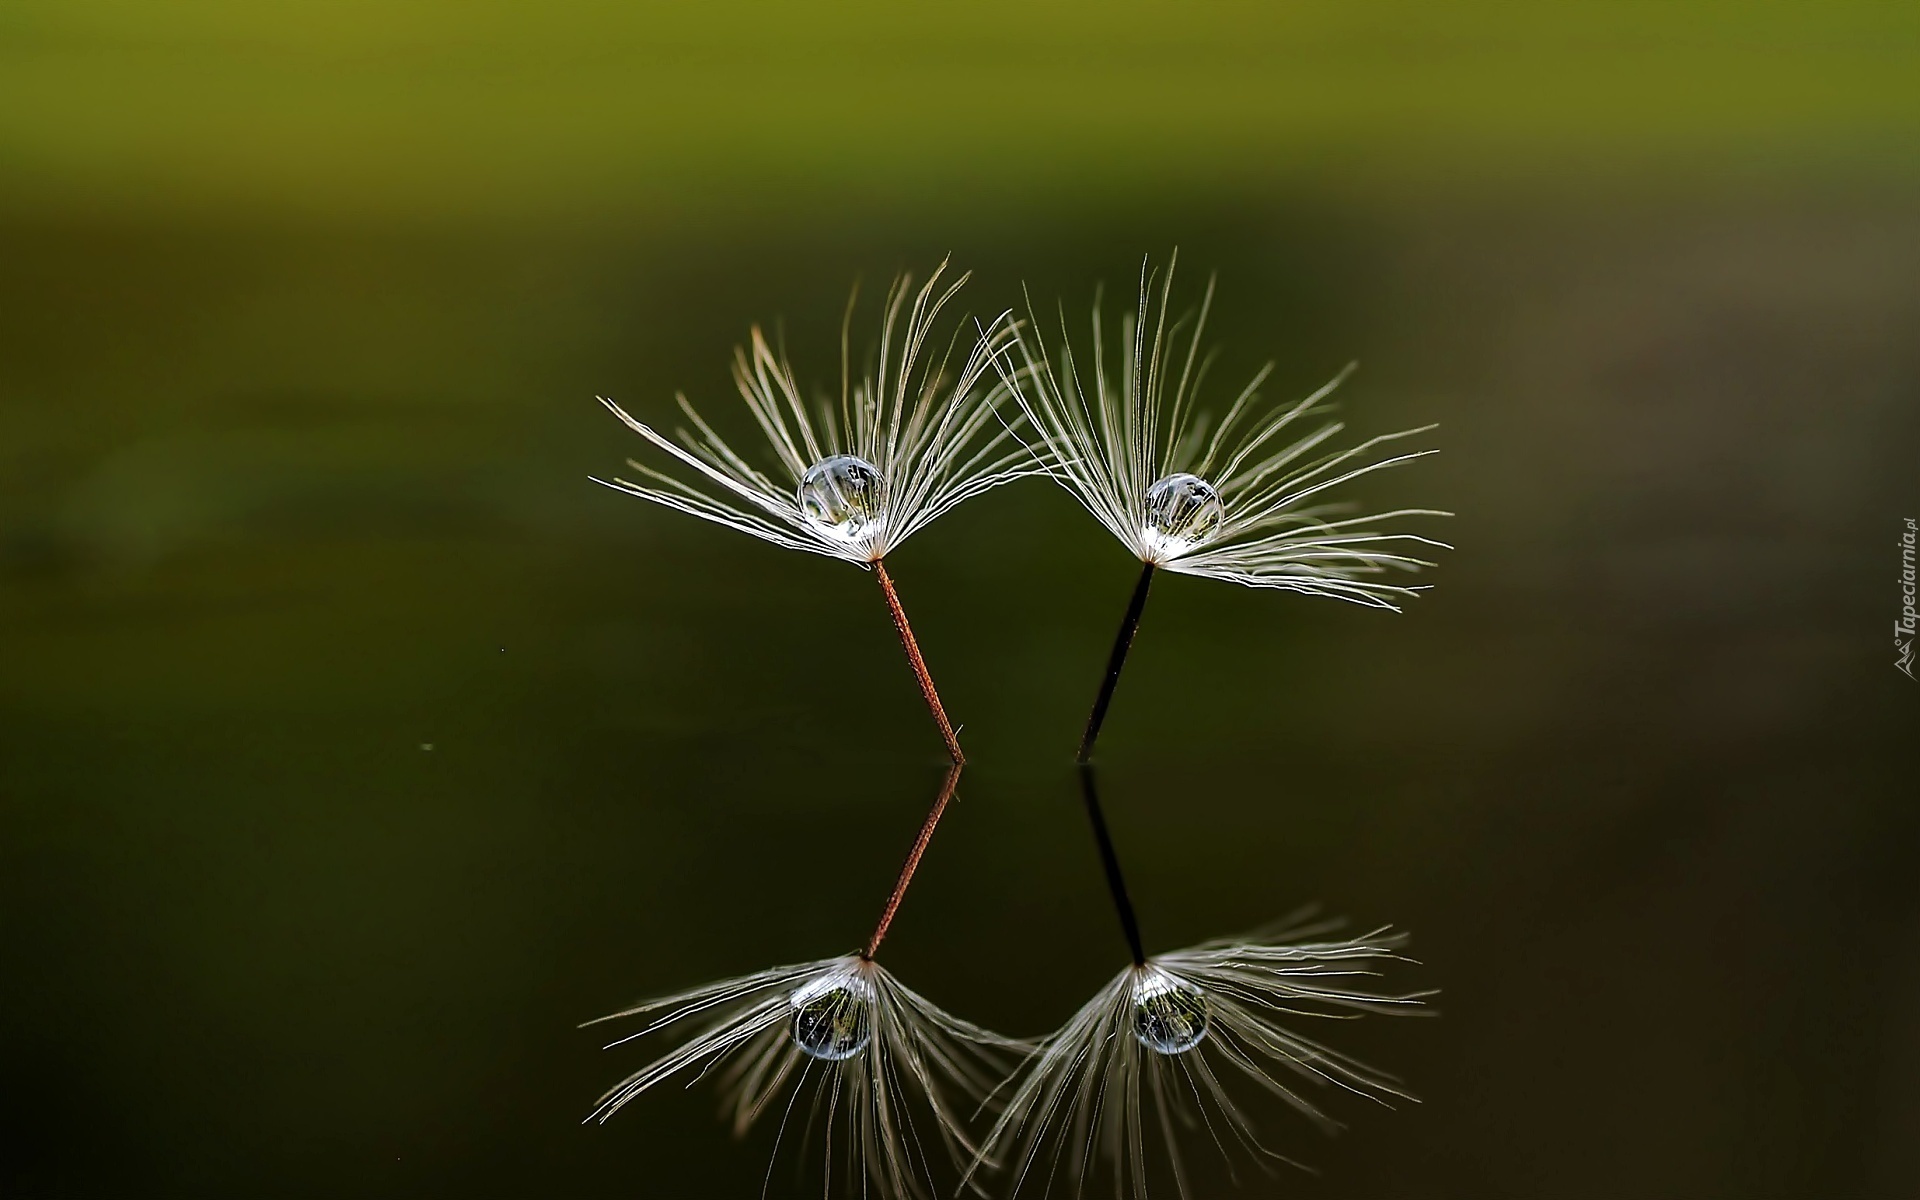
(1158, 1040)
(869, 1047)
(907, 443)
(871, 1050)
(1159, 1044)
(1235, 505)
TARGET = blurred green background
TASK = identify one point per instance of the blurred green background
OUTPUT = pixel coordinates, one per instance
(353, 746)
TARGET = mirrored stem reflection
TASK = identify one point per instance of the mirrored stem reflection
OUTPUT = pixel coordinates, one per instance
(1110, 862)
(912, 864)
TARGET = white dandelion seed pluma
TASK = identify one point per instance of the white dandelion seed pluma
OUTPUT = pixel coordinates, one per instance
(1158, 1049)
(907, 442)
(1239, 503)
(875, 1055)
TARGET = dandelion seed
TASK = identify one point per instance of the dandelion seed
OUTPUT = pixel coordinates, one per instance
(1159, 1046)
(1237, 503)
(872, 1053)
(907, 442)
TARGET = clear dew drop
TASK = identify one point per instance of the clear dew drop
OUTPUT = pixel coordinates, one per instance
(832, 1017)
(1183, 511)
(844, 497)
(1169, 1015)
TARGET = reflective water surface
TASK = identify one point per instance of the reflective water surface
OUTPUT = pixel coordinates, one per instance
(355, 747)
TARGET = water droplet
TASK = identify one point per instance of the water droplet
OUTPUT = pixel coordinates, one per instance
(844, 497)
(1169, 1015)
(830, 1017)
(1183, 511)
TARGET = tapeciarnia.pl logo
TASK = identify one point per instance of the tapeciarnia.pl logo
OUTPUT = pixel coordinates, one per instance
(1903, 626)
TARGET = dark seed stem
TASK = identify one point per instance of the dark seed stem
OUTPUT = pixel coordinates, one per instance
(1122, 643)
(1116, 882)
(919, 664)
(913, 860)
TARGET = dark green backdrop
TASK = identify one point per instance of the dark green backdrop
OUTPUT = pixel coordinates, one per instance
(353, 746)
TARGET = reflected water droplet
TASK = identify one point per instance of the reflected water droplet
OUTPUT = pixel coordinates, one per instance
(1183, 511)
(1169, 1015)
(831, 1017)
(843, 496)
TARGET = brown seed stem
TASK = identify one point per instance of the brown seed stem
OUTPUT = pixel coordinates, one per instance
(913, 859)
(919, 665)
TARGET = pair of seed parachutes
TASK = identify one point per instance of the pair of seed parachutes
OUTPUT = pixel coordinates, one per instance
(910, 438)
